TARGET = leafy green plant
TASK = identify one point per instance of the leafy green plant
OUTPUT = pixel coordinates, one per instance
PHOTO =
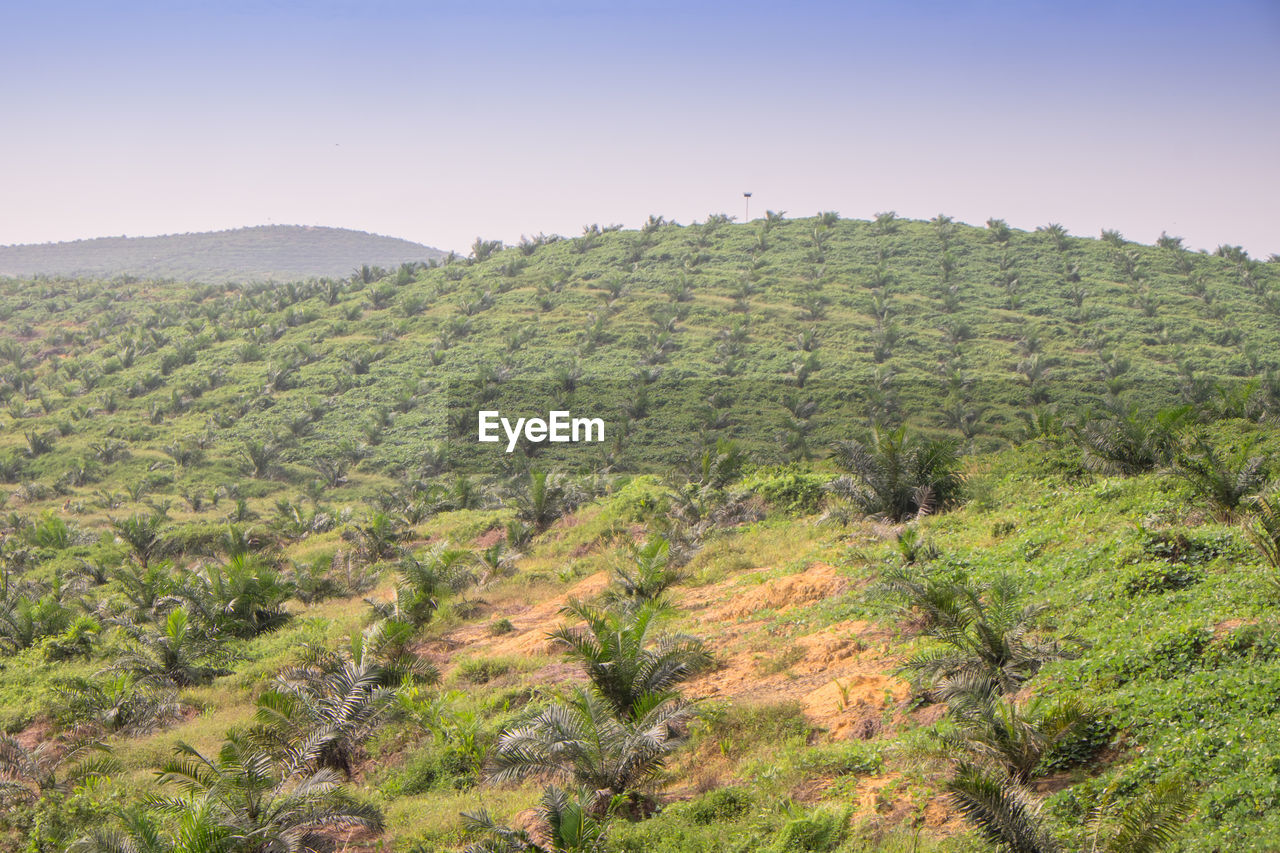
(566, 825)
(644, 579)
(583, 740)
(896, 475)
(984, 644)
(174, 653)
(630, 668)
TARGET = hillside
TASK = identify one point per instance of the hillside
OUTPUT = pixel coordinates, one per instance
(262, 253)
(252, 519)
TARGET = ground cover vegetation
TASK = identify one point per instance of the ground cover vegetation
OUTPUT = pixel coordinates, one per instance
(969, 541)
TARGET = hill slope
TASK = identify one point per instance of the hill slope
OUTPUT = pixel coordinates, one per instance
(786, 338)
(279, 462)
(265, 252)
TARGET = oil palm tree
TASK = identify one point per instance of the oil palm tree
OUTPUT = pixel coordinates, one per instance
(565, 825)
(1124, 440)
(337, 698)
(645, 577)
(896, 475)
(628, 667)
(118, 703)
(1224, 481)
(243, 598)
(1005, 815)
(994, 731)
(583, 740)
(174, 654)
(264, 806)
(423, 583)
(985, 643)
(542, 499)
(1265, 529)
(140, 831)
(376, 538)
(29, 773)
(142, 533)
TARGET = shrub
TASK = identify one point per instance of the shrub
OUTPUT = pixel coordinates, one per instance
(789, 491)
(719, 805)
(1162, 577)
(814, 831)
(483, 670)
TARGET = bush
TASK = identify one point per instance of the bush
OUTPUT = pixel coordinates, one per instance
(1078, 748)
(814, 832)
(846, 758)
(1162, 577)
(1256, 643)
(719, 805)
(1178, 652)
(787, 490)
(483, 670)
(432, 768)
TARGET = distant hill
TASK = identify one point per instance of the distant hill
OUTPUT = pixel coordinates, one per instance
(279, 252)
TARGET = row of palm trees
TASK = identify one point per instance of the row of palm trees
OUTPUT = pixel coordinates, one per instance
(984, 651)
(609, 739)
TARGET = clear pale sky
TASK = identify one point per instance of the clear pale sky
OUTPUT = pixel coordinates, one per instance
(443, 121)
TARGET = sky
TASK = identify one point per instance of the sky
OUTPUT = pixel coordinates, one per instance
(441, 122)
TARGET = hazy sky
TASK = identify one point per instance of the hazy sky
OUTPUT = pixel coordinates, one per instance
(440, 122)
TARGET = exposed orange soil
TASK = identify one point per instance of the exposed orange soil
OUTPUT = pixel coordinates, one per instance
(531, 623)
(844, 680)
(842, 674)
(816, 582)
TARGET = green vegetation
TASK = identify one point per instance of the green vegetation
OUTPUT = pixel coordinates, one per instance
(904, 536)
